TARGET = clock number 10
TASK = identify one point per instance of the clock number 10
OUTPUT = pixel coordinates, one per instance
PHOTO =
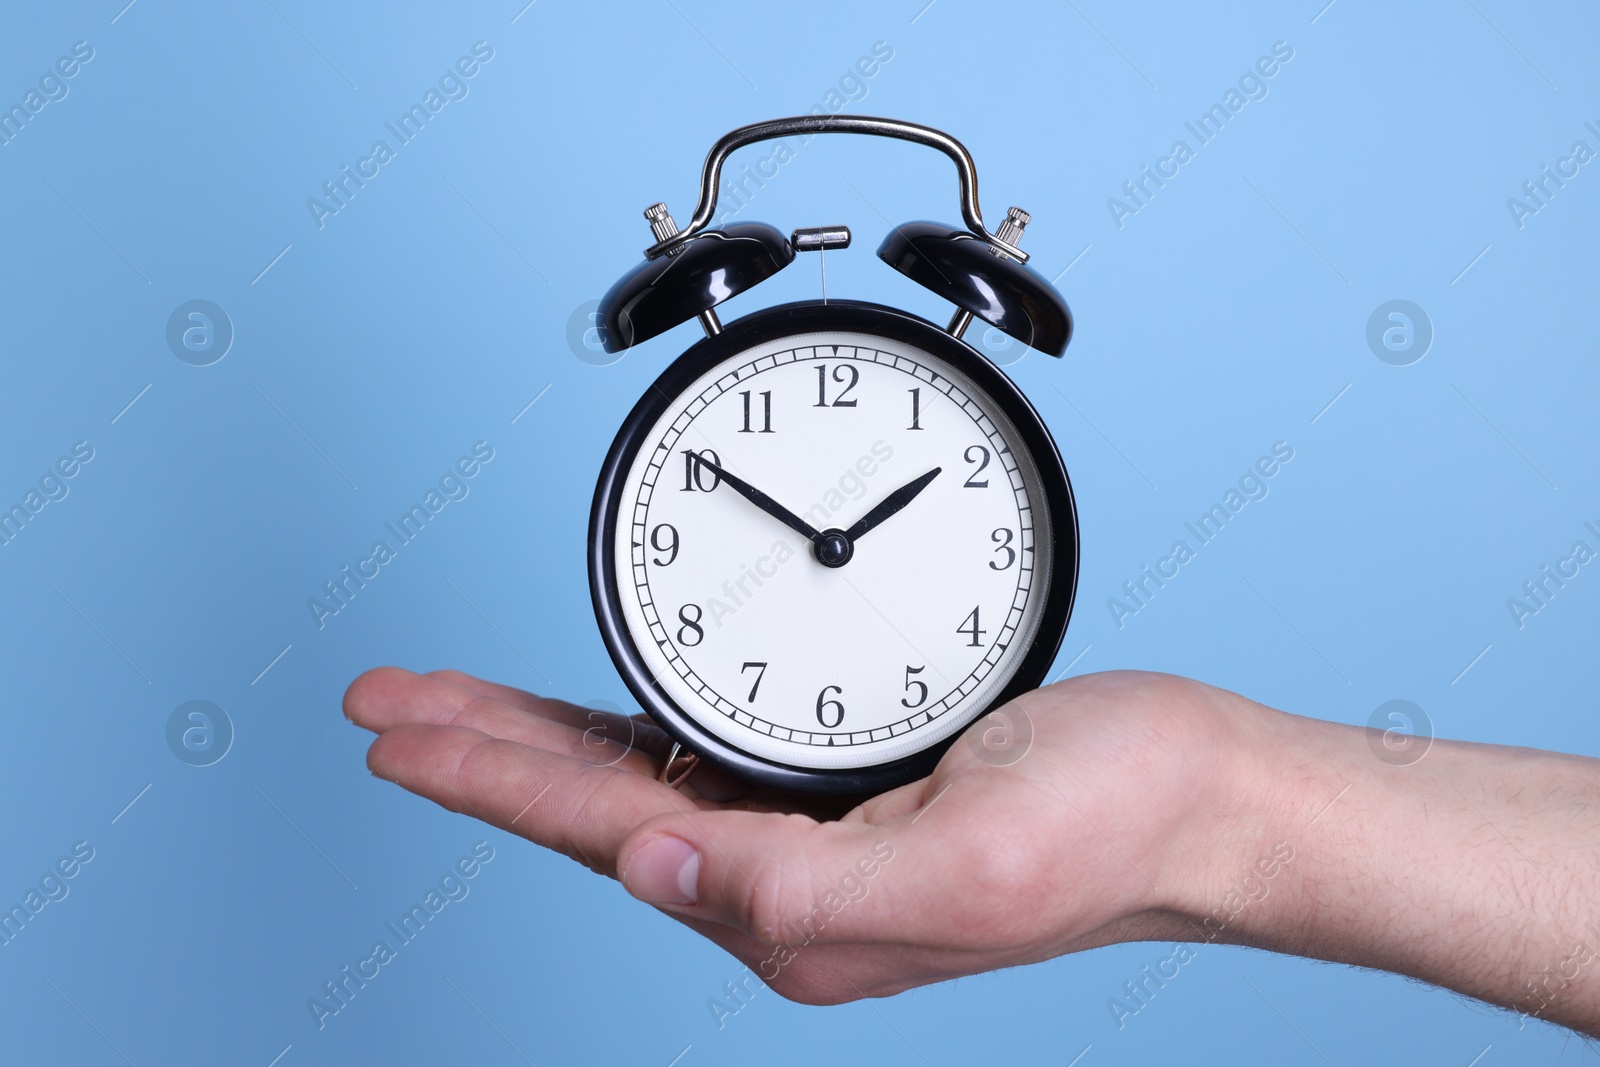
(695, 473)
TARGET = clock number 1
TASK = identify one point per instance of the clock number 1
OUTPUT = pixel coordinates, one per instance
(695, 474)
(916, 409)
(823, 704)
(766, 412)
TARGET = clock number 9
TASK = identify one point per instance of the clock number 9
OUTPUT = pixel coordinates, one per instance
(672, 545)
(690, 625)
(695, 474)
(922, 688)
(982, 461)
(1003, 537)
(823, 704)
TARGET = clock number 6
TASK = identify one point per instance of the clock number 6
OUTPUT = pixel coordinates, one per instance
(982, 461)
(690, 625)
(922, 687)
(695, 474)
(760, 674)
(823, 704)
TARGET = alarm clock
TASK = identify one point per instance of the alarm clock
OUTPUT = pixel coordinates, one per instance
(831, 534)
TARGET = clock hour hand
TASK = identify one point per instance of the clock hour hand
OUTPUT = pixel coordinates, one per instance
(760, 499)
(891, 504)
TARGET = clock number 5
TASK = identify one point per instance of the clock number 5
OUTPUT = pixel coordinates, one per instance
(982, 461)
(838, 376)
(695, 474)
(760, 674)
(823, 704)
(922, 688)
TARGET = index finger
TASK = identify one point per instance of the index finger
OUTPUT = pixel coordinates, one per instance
(581, 810)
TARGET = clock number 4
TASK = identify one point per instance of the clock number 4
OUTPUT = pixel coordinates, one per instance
(838, 377)
(695, 474)
(969, 626)
(824, 703)
(766, 412)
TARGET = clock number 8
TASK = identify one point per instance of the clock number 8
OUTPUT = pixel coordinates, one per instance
(823, 704)
(690, 625)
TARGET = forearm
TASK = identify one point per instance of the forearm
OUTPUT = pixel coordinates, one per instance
(1476, 867)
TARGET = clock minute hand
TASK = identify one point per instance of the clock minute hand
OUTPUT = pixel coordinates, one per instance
(760, 500)
(891, 504)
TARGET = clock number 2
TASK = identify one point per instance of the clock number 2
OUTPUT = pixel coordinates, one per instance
(838, 376)
(982, 461)
(922, 688)
(823, 704)
(695, 473)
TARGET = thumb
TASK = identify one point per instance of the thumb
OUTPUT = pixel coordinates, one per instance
(775, 877)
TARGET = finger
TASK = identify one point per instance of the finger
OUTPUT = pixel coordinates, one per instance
(580, 810)
(774, 877)
(388, 696)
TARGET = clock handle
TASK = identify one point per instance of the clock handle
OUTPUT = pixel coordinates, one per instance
(710, 175)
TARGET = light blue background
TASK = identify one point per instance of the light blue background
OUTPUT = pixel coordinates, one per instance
(1223, 317)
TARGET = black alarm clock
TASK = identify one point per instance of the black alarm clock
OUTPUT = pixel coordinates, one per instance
(831, 534)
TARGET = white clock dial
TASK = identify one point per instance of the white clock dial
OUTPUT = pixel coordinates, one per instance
(832, 667)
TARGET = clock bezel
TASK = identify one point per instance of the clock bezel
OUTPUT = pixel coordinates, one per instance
(770, 324)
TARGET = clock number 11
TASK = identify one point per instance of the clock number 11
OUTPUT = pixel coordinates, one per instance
(766, 412)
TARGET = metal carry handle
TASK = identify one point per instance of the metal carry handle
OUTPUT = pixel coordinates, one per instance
(711, 173)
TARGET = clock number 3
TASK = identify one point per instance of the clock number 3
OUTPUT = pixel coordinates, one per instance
(1003, 537)
(823, 704)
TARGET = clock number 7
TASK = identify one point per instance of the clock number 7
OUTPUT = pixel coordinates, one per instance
(760, 674)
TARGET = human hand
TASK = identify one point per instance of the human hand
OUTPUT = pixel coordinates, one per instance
(1098, 833)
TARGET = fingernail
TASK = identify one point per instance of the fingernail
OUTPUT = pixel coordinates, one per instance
(666, 870)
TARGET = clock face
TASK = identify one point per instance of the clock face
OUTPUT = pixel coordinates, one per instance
(759, 634)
